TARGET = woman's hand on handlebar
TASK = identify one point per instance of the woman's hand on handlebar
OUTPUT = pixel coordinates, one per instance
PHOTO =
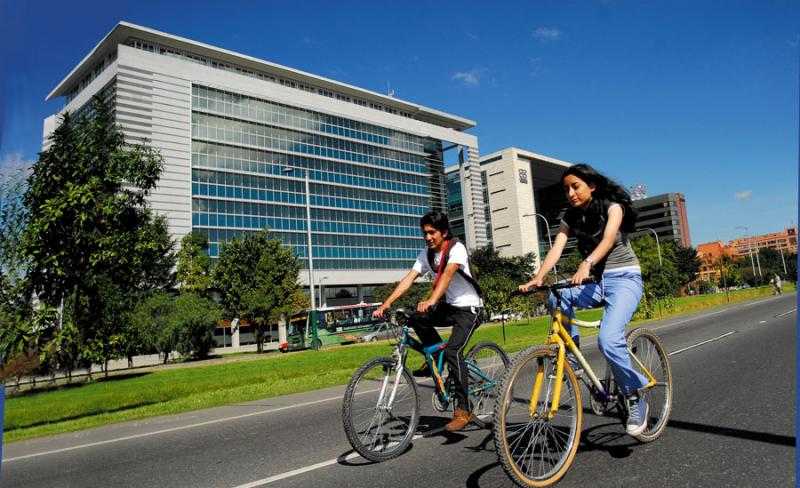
(534, 283)
(583, 274)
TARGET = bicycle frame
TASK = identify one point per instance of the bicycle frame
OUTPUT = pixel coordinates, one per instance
(406, 340)
(561, 339)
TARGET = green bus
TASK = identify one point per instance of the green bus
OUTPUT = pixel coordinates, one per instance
(330, 325)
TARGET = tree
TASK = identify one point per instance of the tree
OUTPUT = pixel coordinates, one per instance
(569, 266)
(90, 242)
(16, 309)
(258, 281)
(687, 262)
(194, 319)
(485, 261)
(194, 265)
(729, 274)
(150, 326)
(659, 275)
(418, 292)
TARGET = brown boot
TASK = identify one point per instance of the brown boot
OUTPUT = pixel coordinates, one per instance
(461, 419)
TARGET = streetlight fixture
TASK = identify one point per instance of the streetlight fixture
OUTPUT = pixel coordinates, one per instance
(310, 249)
(658, 245)
(549, 239)
(750, 246)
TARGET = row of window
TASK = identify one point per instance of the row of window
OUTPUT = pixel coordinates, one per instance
(221, 129)
(210, 155)
(221, 191)
(300, 239)
(238, 105)
(294, 224)
(261, 209)
(252, 187)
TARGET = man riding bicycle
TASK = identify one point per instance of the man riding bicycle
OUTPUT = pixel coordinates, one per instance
(446, 258)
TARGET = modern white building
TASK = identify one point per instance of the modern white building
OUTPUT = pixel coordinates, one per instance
(524, 200)
(238, 135)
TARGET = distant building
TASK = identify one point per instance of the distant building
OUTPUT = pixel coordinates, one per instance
(666, 215)
(785, 241)
(709, 253)
(523, 191)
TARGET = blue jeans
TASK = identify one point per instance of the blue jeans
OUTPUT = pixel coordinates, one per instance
(620, 292)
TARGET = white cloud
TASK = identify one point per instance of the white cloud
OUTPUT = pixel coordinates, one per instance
(470, 78)
(544, 34)
(13, 164)
(743, 195)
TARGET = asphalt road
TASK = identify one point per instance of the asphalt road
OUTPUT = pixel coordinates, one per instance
(733, 424)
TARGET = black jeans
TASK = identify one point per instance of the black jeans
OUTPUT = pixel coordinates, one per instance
(464, 321)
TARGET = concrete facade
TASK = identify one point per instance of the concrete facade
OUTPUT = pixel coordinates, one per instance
(521, 184)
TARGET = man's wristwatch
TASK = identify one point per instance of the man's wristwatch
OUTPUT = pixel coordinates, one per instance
(590, 261)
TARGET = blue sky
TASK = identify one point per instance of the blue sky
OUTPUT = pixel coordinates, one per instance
(698, 97)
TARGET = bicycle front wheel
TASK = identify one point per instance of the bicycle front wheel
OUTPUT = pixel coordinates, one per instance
(648, 352)
(486, 363)
(380, 411)
(534, 448)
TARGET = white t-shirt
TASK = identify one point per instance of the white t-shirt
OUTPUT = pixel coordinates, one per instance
(459, 292)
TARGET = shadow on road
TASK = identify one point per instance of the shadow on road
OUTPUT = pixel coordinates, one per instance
(781, 440)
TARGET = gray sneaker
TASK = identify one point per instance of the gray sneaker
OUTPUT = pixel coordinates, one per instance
(574, 365)
(637, 415)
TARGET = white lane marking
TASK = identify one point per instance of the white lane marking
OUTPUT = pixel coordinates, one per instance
(313, 467)
(701, 343)
(786, 313)
(173, 429)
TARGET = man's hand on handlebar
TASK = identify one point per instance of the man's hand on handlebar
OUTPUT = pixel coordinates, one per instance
(423, 306)
(380, 311)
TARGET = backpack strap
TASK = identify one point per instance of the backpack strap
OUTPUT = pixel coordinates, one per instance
(443, 263)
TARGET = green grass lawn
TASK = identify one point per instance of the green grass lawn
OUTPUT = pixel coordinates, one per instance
(168, 391)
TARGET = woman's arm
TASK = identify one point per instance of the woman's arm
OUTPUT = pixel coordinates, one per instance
(550, 260)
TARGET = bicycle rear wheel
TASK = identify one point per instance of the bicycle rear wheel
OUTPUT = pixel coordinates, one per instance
(380, 411)
(535, 450)
(486, 363)
(649, 351)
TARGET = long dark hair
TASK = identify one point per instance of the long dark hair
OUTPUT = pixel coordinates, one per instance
(605, 190)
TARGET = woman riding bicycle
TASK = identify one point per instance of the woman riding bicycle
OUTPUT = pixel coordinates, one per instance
(600, 219)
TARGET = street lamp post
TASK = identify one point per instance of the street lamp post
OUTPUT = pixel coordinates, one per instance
(310, 251)
(549, 239)
(750, 246)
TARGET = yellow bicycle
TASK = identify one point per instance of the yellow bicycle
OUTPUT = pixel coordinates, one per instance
(538, 410)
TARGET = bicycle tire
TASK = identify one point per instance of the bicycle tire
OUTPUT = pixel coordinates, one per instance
(376, 431)
(492, 361)
(648, 349)
(539, 461)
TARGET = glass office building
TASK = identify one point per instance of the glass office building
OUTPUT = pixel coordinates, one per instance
(239, 135)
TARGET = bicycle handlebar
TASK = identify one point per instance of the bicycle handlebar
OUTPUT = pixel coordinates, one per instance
(556, 286)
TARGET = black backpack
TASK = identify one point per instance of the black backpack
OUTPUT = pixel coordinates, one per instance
(446, 258)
